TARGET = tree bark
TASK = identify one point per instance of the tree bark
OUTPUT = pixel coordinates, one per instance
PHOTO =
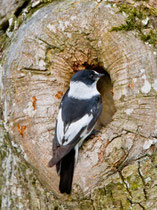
(116, 169)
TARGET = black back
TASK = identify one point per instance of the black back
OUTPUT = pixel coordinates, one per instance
(74, 109)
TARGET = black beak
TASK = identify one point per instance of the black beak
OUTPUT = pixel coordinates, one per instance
(101, 75)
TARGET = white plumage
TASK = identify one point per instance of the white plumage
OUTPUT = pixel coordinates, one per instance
(60, 127)
(80, 90)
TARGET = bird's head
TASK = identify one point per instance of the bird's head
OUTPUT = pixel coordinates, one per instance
(83, 84)
(88, 77)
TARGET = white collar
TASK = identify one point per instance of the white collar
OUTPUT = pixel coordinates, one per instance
(79, 90)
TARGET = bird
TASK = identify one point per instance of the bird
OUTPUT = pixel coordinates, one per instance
(78, 113)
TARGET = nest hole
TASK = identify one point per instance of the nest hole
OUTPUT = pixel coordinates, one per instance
(105, 87)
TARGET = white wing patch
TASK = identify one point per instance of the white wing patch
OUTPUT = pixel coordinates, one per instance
(60, 127)
(75, 128)
(71, 130)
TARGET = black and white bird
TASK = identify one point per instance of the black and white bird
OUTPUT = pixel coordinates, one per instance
(78, 112)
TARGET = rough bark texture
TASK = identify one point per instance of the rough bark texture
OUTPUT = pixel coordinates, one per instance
(117, 168)
(8, 9)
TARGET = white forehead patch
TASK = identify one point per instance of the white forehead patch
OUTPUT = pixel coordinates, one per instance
(79, 90)
(95, 72)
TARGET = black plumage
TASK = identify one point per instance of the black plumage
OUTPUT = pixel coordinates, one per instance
(66, 173)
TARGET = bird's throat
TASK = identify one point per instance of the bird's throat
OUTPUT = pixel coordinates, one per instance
(79, 90)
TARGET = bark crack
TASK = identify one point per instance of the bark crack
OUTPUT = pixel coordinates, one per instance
(35, 70)
(133, 203)
(49, 45)
(125, 184)
(130, 198)
(143, 180)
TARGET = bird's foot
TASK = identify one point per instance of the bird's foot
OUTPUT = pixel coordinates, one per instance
(93, 133)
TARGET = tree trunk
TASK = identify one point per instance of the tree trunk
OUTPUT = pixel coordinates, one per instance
(117, 168)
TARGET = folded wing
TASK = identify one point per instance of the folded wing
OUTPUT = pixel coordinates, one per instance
(70, 132)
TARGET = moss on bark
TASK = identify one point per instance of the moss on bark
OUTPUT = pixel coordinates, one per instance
(140, 18)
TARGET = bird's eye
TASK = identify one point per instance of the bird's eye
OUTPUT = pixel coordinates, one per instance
(92, 76)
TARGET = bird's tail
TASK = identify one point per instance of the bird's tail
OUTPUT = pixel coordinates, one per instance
(66, 172)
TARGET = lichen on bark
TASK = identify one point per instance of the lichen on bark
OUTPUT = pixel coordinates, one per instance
(134, 187)
(140, 17)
